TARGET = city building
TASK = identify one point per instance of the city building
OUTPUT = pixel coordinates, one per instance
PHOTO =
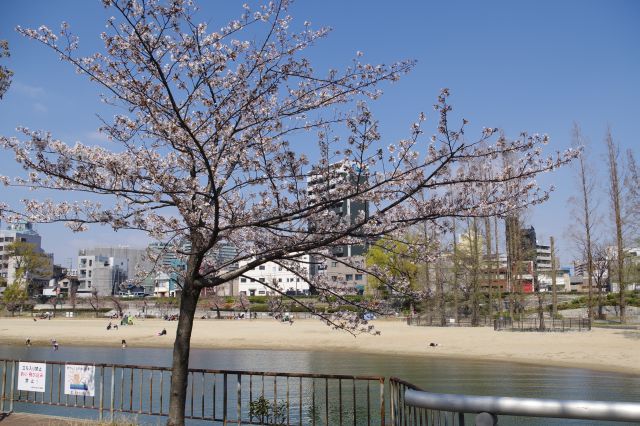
(261, 280)
(101, 274)
(352, 278)
(22, 232)
(350, 211)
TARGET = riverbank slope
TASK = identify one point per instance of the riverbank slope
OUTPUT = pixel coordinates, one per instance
(599, 349)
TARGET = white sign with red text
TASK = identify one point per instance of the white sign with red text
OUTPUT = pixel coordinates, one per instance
(32, 376)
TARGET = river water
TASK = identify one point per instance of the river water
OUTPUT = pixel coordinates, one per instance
(431, 374)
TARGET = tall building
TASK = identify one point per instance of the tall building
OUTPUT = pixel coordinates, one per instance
(21, 232)
(323, 185)
(543, 257)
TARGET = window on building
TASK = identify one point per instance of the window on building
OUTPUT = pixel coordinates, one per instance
(348, 277)
(279, 280)
(334, 264)
(243, 280)
(261, 279)
(90, 262)
(358, 277)
(261, 292)
(261, 267)
(334, 278)
(88, 284)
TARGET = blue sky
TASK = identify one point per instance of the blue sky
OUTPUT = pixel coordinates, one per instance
(533, 66)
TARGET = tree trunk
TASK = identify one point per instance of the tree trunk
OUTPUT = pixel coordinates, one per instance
(487, 268)
(455, 274)
(181, 348)
(497, 264)
(616, 204)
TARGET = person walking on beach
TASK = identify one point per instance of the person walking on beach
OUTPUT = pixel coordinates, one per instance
(28, 342)
(124, 344)
(54, 343)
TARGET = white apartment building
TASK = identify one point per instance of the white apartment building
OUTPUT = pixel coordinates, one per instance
(100, 273)
(253, 282)
(23, 232)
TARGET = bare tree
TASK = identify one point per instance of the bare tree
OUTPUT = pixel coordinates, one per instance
(632, 184)
(73, 296)
(209, 153)
(585, 212)
(554, 271)
(117, 305)
(95, 302)
(601, 268)
(215, 302)
(615, 194)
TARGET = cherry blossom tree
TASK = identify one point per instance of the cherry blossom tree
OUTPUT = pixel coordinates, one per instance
(5, 73)
(221, 133)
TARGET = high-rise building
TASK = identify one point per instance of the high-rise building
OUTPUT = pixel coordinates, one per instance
(21, 232)
(321, 186)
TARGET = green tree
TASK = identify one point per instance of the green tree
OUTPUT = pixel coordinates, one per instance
(14, 297)
(393, 258)
(31, 265)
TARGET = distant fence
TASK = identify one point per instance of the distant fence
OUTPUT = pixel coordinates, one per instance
(549, 324)
(432, 321)
(220, 396)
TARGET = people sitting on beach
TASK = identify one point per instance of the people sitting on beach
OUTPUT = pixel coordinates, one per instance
(163, 332)
(115, 326)
(124, 343)
(109, 326)
(433, 344)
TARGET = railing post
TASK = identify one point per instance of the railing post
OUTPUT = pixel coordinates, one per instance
(224, 398)
(113, 390)
(239, 401)
(101, 393)
(461, 418)
(3, 394)
(486, 419)
(13, 377)
(382, 412)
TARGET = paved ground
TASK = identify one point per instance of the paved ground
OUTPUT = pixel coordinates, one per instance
(21, 419)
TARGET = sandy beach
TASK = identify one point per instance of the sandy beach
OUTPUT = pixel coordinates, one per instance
(599, 349)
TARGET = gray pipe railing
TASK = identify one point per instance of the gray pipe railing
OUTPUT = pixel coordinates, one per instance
(527, 407)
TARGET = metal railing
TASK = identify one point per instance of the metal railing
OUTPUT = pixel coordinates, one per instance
(436, 321)
(549, 324)
(487, 408)
(404, 414)
(223, 396)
